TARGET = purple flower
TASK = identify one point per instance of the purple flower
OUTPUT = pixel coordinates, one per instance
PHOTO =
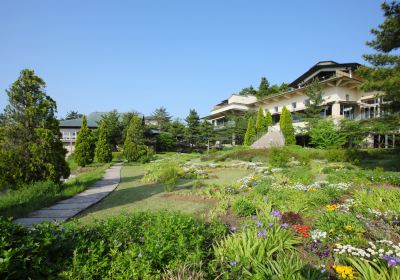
(270, 224)
(285, 225)
(276, 213)
(233, 263)
(392, 260)
(262, 233)
(259, 224)
(232, 229)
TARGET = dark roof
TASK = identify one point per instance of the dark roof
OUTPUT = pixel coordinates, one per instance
(321, 65)
(78, 123)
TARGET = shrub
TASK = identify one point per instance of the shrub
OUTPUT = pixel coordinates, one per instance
(325, 135)
(243, 207)
(103, 147)
(165, 142)
(286, 125)
(278, 157)
(169, 177)
(84, 147)
(250, 134)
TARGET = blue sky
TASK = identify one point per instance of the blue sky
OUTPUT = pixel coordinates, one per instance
(140, 55)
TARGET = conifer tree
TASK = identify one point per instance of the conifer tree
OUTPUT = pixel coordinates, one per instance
(84, 147)
(250, 132)
(103, 146)
(263, 88)
(268, 119)
(261, 125)
(287, 128)
(134, 147)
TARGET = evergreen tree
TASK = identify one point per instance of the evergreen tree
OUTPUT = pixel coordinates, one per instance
(30, 145)
(250, 133)
(261, 125)
(71, 115)
(84, 146)
(263, 88)
(325, 135)
(162, 117)
(287, 128)
(314, 107)
(206, 133)
(268, 119)
(248, 91)
(103, 146)
(384, 75)
(114, 128)
(134, 147)
(192, 131)
(177, 129)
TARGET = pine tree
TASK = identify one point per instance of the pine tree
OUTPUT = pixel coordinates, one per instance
(268, 119)
(263, 88)
(286, 125)
(134, 147)
(261, 126)
(103, 147)
(250, 133)
(193, 126)
(84, 147)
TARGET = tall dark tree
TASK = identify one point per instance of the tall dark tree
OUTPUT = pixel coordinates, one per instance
(206, 133)
(114, 127)
(313, 109)
(177, 129)
(162, 117)
(134, 147)
(192, 130)
(384, 73)
(30, 145)
(84, 146)
(263, 88)
(71, 115)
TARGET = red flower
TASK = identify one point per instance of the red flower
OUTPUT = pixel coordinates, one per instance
(303, 231)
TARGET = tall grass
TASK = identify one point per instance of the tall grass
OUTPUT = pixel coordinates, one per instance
(18, 203)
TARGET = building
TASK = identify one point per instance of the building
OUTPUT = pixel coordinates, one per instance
(342, 98)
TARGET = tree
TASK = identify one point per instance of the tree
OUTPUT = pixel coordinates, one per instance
(125, 122)
(177, 129)
(84, 146)
(314, 106)
(248, 91)
(71, 115)
(134, 147)
(250, 133)
(287, 128)
(30, 145)
(165, 142)
(192, 131)
(103, 146)
(268, 119)
(324, 135)
(206, 133)
(162, 117)
(261, 125)
(263, 88)
(114, 128)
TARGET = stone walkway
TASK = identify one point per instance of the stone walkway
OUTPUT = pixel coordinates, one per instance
(70, 207)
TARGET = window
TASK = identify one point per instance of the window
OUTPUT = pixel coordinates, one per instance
(294, 105)
(347, 97)
(276, 109)
(307, 102)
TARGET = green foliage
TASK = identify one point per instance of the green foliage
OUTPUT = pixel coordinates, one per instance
(169, 176)
(261, 125)
(325, 135)
(162, 118)
(368, 270)
(192, 129)
(314, 107)
(248, 91)
(263, 88)
(206, 133)
(134, 147)
(268, 119)
(114, 128)
(84, 147)
(244, 207)
(286, 126)
(278, 157)
(165, 142)
(177, 129)
(250, 135)
(71, 115)
(384, 74)
(136, 246)
(30, 145)
(103, 147)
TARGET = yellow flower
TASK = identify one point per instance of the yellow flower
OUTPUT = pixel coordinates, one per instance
(345, 272)
(331, 207)
(348, 228)
(312, 189)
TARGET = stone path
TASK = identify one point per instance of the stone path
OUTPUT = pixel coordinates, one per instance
(70, 207)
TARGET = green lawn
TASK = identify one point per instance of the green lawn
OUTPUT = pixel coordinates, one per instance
(133, 195)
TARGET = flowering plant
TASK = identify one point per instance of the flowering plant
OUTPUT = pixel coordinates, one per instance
(344, 272)
(303, 231)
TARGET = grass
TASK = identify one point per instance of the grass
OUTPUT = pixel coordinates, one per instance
(133, 195)
(18, 203)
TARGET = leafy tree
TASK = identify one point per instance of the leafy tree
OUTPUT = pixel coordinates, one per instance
(287, 128)
(114, 127)
(268, 119)
(84, 146)
(162, 117)
(325, 135)
(165, 142)
(261, 125)
(71, 115)
(248, 91)
(103, 146)
(30, 145)
(250, 133)
(384, 74)
(206, 133)
(177, 129)
(263, 88)
(192, 131)
(284, 87)
(134, 148)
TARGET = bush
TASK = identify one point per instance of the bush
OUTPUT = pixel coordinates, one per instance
(278, 157)
(169, 177)
(243, 207)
